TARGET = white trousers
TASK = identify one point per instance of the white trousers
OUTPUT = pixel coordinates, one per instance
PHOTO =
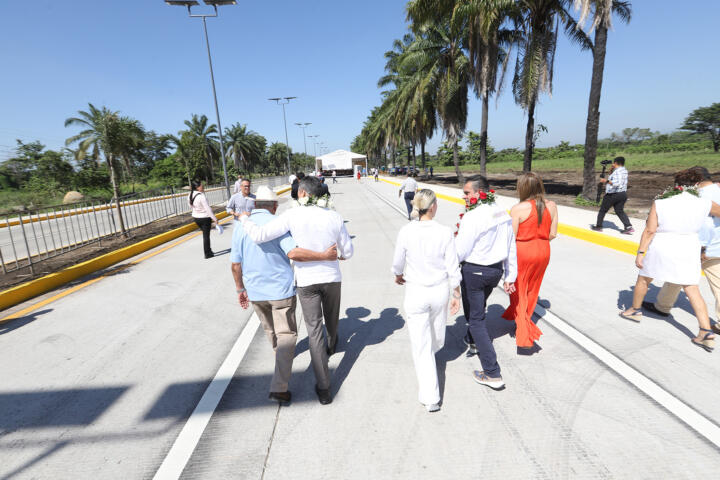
(426, 309)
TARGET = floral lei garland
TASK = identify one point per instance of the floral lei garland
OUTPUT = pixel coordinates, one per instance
(677, 190)
(322, 201)
(483, 199)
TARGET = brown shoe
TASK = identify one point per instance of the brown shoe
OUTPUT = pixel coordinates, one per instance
(280, 397)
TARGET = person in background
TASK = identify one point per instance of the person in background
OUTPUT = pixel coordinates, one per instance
(486, 249)
(534, 222)
(377, 178)
(237, 187)
(334, 176)
(292, 178)
(709, 256)
(425, 262)
(295, 185)
(431, 170)
(615, 196)
(263, 275)
(670, 250)
(315, 228)
(202, 214)
(409, 187)
(359, 175)
(243, 201)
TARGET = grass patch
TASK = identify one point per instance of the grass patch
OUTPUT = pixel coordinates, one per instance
(581, 201)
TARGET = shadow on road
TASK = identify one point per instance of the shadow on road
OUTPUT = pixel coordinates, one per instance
(22, 321)
(625, 299)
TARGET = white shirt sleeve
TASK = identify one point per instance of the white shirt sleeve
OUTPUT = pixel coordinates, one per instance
(344, 243)
(205, 205)
(270, 231)
(452, 264)
(465, 240)
(398, 266)
(510, 263)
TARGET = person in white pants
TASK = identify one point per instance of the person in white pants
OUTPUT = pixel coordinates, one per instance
(426, 262)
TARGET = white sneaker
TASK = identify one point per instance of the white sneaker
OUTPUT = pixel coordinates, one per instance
(433, 407)
(472, 349)
(494, 383)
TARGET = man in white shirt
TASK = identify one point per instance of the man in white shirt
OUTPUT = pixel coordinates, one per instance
(243, 201)
(318, 283)
(334, 176)
(238, 185)
(409, 186)
(486, 248)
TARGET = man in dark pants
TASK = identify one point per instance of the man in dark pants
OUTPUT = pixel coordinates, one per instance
(486, 249)
(409, 186)
(615, 197)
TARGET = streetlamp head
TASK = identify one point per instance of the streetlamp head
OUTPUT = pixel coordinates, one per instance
(218, 3)
(182, 3)
(289, 98)
(274, 99)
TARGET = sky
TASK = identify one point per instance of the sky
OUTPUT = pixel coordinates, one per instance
(148, 60)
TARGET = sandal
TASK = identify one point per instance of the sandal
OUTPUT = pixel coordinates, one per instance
(636, 316)
(708, 344)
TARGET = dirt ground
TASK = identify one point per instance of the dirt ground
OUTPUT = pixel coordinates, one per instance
(563, 187)
(107, 245)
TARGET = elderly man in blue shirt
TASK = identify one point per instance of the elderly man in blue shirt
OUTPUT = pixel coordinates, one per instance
(264, 277)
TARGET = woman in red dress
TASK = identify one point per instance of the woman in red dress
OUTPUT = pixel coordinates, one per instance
(535, 223)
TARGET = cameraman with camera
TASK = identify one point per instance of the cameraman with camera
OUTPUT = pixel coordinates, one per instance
(615, 196)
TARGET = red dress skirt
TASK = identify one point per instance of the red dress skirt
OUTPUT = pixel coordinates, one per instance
(533, 256)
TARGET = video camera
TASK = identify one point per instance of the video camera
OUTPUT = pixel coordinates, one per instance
(606, 162)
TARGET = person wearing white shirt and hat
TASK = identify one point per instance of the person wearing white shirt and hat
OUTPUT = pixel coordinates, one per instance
(263, 275)
(486, 248)
(426, 263)
(316, 227)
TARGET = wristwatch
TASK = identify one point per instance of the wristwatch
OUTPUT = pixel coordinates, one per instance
(242, 290)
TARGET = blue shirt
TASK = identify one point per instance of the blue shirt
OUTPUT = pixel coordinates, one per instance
(710, 232)
(239, 203)
(266, 269)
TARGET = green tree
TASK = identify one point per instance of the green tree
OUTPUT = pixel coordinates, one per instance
(245, 146)
(705, 121)
(601, 12)
(276, 157)
(208, 136)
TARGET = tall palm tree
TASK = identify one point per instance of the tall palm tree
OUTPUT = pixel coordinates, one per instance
(198, 126)
(539, 22)
(276, 156)
(132, 136)
(103, 132)
(245, 146)
(601, 11)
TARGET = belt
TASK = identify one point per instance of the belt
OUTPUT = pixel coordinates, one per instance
(494, 265)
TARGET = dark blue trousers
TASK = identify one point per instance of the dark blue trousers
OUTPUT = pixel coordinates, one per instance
(408, 202)
(478, 282)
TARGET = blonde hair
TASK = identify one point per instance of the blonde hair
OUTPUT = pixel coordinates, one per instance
(423, 201)
(530, 187)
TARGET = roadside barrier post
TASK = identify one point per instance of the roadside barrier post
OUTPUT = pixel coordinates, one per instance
(27, 247)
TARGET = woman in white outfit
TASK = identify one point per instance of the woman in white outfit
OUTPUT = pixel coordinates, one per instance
(426, 262)
(671, 250)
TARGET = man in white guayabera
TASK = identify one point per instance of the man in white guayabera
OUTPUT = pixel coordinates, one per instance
(314, 226)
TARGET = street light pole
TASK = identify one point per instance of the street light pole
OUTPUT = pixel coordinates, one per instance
(304, 126)
(284, 101)
(314, 137)
(214, 3)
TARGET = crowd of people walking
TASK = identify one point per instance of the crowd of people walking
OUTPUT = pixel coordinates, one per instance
(443, 270)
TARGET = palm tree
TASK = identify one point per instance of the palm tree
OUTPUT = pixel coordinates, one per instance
(245, 146)
(276, 156)
(103, 133)
(198, 126)
(132, 136)
(539, 22)
(602, 11)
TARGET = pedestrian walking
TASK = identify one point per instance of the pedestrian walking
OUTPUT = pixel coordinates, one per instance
(431, 170)
(409, 187)
(425, 262)
(202, 214)
(264, 277)
(334, 176)
(615, 196)
(243, 201)
(709, 256)
(377, 178)
(315, 226)
(670, 249)
(534, 222)
(487, 252)
(359, 175)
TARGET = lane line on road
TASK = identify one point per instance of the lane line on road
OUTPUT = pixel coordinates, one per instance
(186, 442)
(685, 413)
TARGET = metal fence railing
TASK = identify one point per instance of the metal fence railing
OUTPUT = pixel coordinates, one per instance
(32, 236)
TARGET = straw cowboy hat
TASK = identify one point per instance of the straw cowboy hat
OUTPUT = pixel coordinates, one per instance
(265, 194)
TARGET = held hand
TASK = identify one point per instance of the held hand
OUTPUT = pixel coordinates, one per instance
(454, 305)
(399, 279)
(639, 261)
(603, 180)
(243, 300)
(331, 253)
(509, 287)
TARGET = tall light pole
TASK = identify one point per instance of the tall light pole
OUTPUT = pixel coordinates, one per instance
(213, 3)
(304, 126)
(314, 137)
(284, 101)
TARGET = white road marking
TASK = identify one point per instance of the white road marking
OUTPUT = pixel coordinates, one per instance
(184, 446)
(667, 400)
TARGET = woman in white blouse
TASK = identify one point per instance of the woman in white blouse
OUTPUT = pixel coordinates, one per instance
(203, 214)
(425, 262)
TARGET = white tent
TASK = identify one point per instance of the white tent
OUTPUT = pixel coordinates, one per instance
(340, 160)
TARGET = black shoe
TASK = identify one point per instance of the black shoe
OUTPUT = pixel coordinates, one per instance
(596, 228)
(323, 396)
(650, 307)
(331, 351)
(280, 397)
